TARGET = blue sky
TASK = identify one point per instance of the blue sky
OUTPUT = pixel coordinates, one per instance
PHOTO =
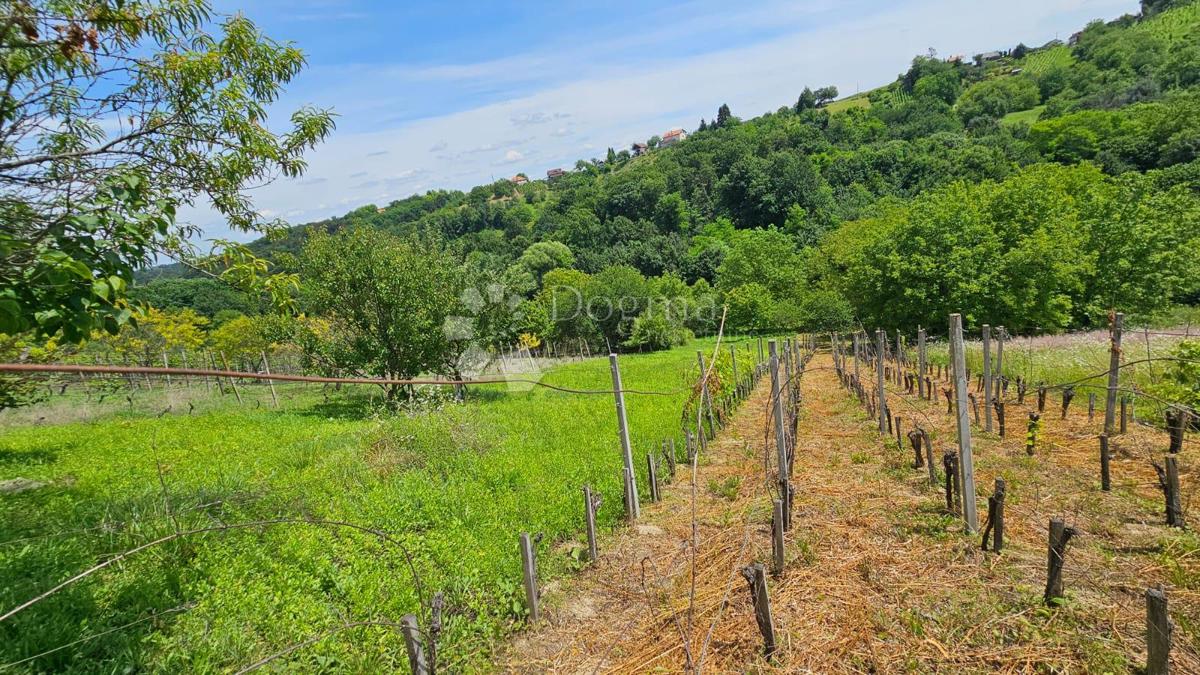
(454, 94)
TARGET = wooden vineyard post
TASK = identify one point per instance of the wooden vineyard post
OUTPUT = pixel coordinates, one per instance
(880, 346)
(1091, 406)
(167, 364)
(899, 437)
(589, 517)
(187, 380)
(1114, 369)
(987, 378)
(1177, 422)
(529, 575)
(995, 522)
(1168, 480)
(1158, 632)
(652, 476)
(1124, 414)
(760, 350)
(1105, 477)
(270, 382)
(757, 578)
(999, 416)
(921, 365)
(1060, 535)
(632, 507)
(777, 554)
(412, 642)
(781, 449)
(705, 396)
(929, 457)
(966, 465)
(233, 384)
(857, 379)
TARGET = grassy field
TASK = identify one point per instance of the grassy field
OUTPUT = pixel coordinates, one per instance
(1043, 60)
(1022, 116)
(856, 101)
(452, 486)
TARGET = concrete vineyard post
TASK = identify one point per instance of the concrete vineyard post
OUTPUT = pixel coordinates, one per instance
(589, 515)
(880, 345)
(412, 642)
(987, 378)
(632, 508)
(781, 449)
(998, 375)
(1114, 368)
(921, 362)
(777, 553)
(966, 465)
(529, 575)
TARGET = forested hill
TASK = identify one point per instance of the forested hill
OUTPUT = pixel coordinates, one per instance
(1037, 185)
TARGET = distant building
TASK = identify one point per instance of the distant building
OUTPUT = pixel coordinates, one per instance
(957, 58)
(988, 56)
(519, 179)
(639, 149)
(555, 173)
(1053, 43)
(1074, 39)
(672, 137)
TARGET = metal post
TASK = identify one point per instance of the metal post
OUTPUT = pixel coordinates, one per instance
(632, 508)
(966, 464)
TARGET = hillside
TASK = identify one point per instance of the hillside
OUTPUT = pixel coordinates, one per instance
(1122, 98)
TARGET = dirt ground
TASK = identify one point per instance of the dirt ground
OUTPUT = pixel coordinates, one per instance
(880, 576)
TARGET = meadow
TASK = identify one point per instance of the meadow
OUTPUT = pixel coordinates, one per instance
(444, 488)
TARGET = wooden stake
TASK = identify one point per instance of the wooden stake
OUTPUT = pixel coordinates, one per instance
(999, 404)
(529, 574)
(270, 383)
(757, 578)
(1060, 535)
(1105, 479)
(705, 395)
(1158, 632)
(1124, 414)
(1091, 406)
(232, 383)
(1168, 480)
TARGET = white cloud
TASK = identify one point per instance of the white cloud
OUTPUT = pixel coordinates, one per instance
(635, 101)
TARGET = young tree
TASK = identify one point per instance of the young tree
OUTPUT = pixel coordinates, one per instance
(807, 100)
(113, 114)
(825, 94)
(387, 300)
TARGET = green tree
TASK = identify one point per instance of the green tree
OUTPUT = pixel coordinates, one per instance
(388, 301)
(113, 113)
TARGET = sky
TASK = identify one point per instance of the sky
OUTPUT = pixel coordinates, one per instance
(434, 94)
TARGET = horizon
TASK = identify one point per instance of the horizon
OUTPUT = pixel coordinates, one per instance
(431, 97)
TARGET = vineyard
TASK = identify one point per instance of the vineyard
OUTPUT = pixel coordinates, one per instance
(348, 522)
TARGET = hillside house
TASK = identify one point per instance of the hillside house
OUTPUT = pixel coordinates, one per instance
(519, 179)
(672, 137)
(987, 57)
(555, 173)
(640, 149)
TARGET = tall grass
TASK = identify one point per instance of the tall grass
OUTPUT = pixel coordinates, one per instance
(454, 485)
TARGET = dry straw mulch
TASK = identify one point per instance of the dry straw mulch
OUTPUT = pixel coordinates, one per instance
(880, 578)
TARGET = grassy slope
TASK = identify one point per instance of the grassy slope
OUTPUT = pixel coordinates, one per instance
(456, 486)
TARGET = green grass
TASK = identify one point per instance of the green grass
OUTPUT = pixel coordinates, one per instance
(856, 101)
(1022, 117)
(1175, 25)
(1043, 60)
(455, 486)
